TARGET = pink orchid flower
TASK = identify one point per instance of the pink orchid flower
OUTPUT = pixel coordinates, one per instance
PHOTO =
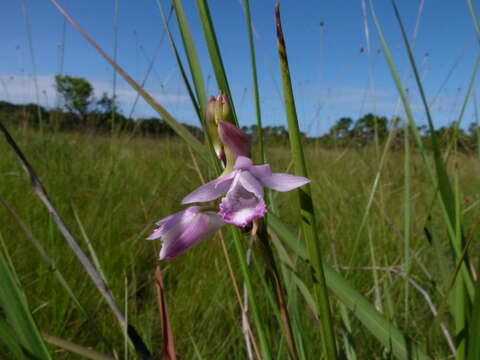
(243, 187)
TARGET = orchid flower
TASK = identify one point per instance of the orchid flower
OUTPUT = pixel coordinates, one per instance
(185, 229)
(241, 182)
(243, 187)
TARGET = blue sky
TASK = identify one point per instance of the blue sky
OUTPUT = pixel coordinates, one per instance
(333, 73)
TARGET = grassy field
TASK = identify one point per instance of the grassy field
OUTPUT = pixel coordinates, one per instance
(385, 238)
(110, 191)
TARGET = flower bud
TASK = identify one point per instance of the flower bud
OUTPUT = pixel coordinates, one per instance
(212, 127)
(222, 109)
(234, 139)
(228, 140)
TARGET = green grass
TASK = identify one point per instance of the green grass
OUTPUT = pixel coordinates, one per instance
(140, 181)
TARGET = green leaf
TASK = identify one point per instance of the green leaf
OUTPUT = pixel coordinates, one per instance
(192, 57)
(181, 130)
(84, 352)
(199, 102)
(474, 327)
(309, 222)
(14, 306)
(390, 337)
(256, 96)
(8, 338)
(214, 51)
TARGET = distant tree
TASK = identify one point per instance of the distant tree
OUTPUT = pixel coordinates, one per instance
(423, 130)
(106, 104)
(366, 126)
(106, 114)
(77, 94)
(474, 131)
(26, 113)
(341, 129)
(153, 126)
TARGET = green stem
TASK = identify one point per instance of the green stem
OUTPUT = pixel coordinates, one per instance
(307, 209)
(256, 95)
(214, 51)
(407, 214)
(237, 240)
(276, 283)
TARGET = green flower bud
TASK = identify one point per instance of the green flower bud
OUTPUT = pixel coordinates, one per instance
(228, 140)
(222, 109)
(212, 127)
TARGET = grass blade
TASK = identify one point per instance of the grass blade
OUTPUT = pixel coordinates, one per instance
(309, 222)
(195, 69)
(15, 308)
(390, 337)
(256, 95)
(407, 213)
(174, 124)
(214, 51)
(445, 188)
(180, 64)
(253, 306)
(76, 349)
(43, 254)
(449, 200)
(192, 57)
(474, 326)
(169, 347)
(8, 338)
(440, 179)
(73, 244)
(473, 13)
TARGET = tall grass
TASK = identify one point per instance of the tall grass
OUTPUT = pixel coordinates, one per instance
(111, 189)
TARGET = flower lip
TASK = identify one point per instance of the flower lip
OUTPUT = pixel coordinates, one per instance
(244, 201)
(244, 216)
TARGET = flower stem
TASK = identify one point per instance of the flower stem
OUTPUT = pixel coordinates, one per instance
(237, 240)
(276, 282)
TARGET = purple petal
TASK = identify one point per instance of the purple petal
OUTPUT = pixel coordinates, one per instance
(250, 183)
(165, 224)
(243, 163)
(210, 191)
(283, 182)
(261, 171)
(234, 138)
(240, 207)
(191, 226)
(155, 234)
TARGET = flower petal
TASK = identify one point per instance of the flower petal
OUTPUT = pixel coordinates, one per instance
(192, 227)
(165, 224)
(261, 171)
(234, 138)
(210, 191)
(243, 163)
(283, 182)
(250, 183)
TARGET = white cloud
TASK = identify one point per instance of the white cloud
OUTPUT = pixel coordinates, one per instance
(21, 89)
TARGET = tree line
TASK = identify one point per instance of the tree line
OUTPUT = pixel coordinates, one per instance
(78, 109)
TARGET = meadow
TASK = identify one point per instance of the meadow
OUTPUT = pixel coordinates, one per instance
(111, 189)
(375, 258)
